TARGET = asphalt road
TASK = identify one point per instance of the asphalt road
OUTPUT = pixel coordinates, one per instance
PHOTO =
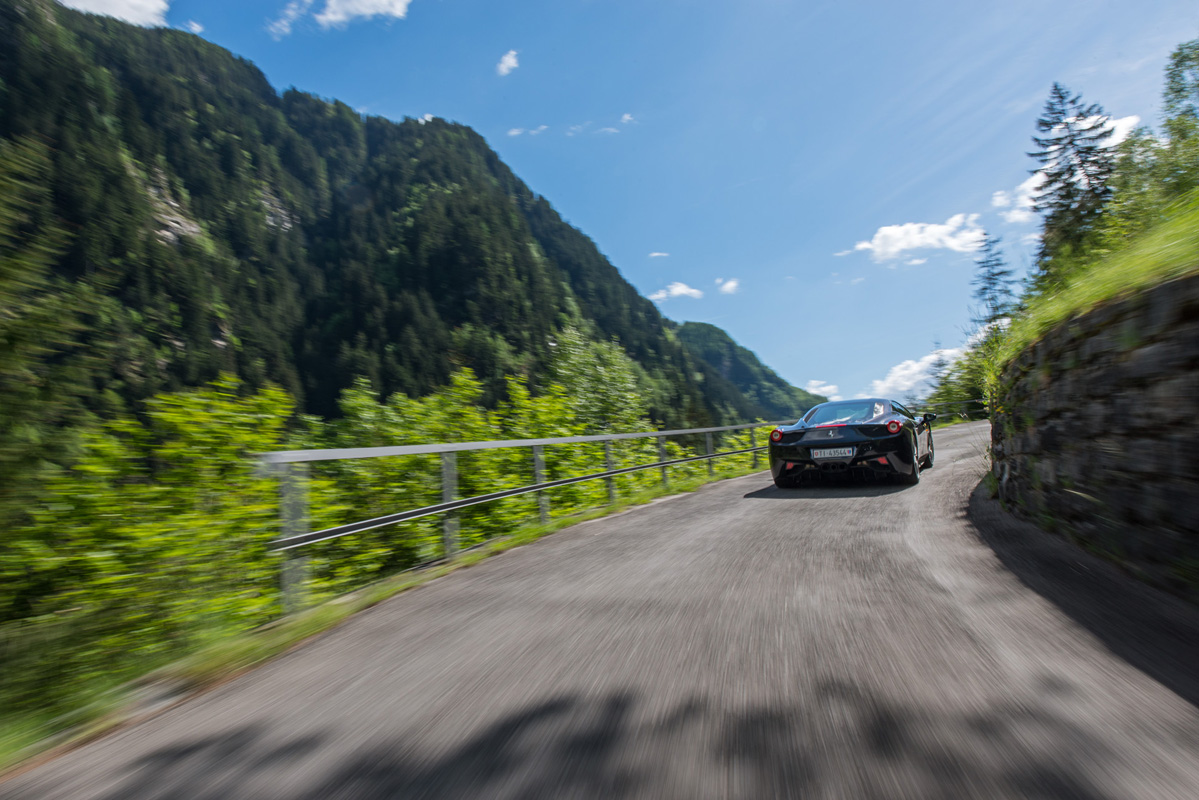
(741, 641)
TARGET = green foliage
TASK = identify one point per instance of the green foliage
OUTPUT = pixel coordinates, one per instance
(36, 324)
(152, 543)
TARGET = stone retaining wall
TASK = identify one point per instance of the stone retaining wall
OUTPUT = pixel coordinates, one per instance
(1096, 433)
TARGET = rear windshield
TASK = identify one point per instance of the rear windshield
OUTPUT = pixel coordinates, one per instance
(847, 412)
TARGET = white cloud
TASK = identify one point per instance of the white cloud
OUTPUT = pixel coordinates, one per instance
(194, 27)
(538, 129)
(140, 12)
(658, 255)
(728, 287)
(960, 233)
(1122, 127)
(676, 289)
(508, 62)
(515, 131)
(844, 252)
(287, 18)
(913, 377)
(573, 129)
(1000, 200)
(339, 12)
(625, 119)
(915, 262)
(829, 390)
(608, 130)
(1021, 200)
(856, 281)
(424, 118)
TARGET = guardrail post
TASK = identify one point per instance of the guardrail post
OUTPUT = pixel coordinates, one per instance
(449, 491)
(609, 466)
(293, 506)
(708, 444)
(543, 502)
(753, 442)
(662, 457)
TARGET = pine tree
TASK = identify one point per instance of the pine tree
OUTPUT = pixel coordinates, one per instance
(1076, 163)
(992, 283)
(1182, 81)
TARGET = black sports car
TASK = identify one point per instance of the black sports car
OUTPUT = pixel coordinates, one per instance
(870, 437)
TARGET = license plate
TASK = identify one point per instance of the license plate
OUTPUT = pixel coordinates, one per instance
(833, 452)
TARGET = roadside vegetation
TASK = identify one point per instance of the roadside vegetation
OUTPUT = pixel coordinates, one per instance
(1115, 221)
(151, 547)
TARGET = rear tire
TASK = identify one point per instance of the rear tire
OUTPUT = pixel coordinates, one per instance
(913, 478)
(928, 459)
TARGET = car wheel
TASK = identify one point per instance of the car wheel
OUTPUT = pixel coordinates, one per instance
(928, 459)
(913, 477)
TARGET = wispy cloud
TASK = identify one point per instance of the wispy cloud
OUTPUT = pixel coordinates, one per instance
(287, 18)
(194, 27)
(576, 129)
(339, 12)
(658, 255)
(608, 130)
(676, 289)
(625, 119)
(829, 390)
(508, 62)
(728, 287)
(424, 118)
(844, 252)
(915, 262)
(530, 131)
(960, 233)
(148, 13)
(856, 281)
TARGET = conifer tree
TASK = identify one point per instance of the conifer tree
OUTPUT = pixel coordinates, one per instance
(992, 283)
(1076, 162)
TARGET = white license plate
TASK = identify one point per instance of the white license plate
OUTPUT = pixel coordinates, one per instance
(833, 452)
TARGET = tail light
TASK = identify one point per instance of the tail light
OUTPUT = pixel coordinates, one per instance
(776, 435)
(893, 426)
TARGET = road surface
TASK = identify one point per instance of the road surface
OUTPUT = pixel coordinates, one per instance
(741, 641)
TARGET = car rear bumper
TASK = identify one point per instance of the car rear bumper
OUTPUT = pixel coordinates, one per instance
(889, 456)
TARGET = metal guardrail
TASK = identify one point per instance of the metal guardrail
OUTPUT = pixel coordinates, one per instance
(291, 468)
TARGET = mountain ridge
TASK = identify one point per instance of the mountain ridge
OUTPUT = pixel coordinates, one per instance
(226, 226)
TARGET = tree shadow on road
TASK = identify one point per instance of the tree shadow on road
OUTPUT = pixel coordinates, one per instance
(843, 739)
(1153, 631)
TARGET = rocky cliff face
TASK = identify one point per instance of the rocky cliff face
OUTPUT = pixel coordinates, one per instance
(1096, 433)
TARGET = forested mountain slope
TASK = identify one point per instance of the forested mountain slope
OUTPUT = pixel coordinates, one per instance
(216, 225)
(742, 368)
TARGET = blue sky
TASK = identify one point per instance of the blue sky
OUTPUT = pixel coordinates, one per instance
(812, 177)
